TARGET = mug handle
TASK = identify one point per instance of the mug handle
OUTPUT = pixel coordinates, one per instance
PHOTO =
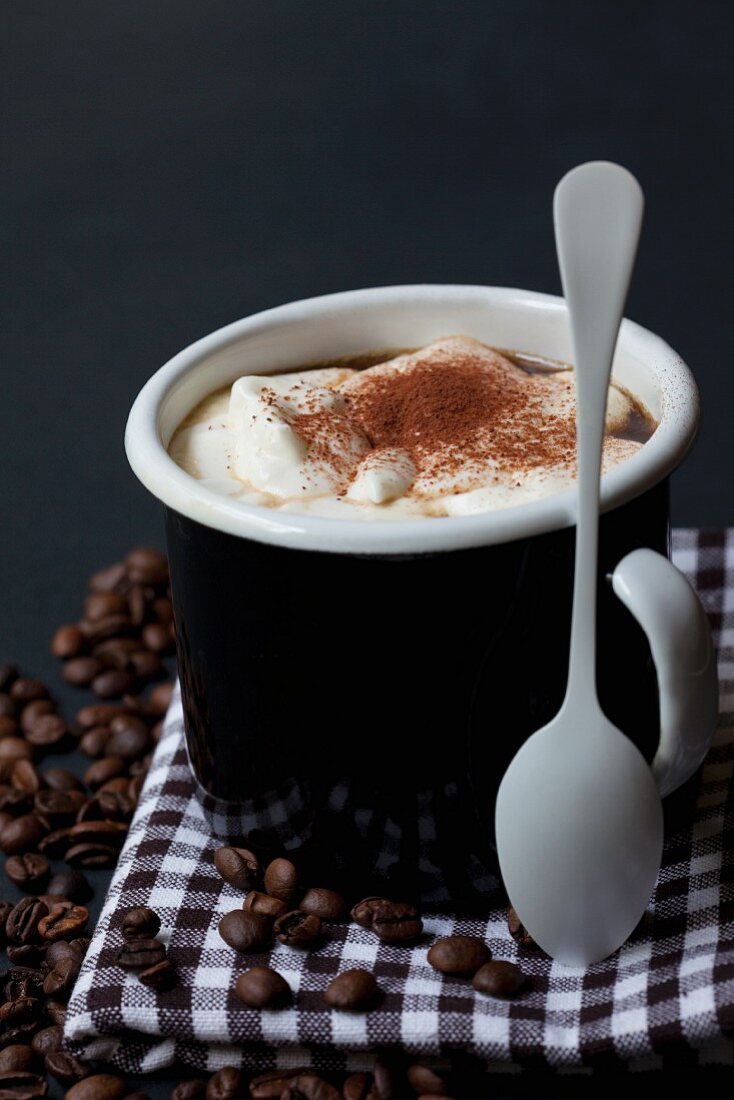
(671, 615)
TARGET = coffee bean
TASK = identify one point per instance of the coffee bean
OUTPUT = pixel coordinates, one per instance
(263, 903)
(281, 879)
(499, 978)
(157, 638)
(70, 884)
(54, 845)
(20, 1085)
(426, 1081)
(101, 1086)
(8, 708)
(307, 1086)
(25, 954)
(147, 566)
(107, 806)
(8, 674)
(237, 866)
(128, 722)
(100, 605)
(111, 833)
(147, 665)
(140, 954)
(112, 578)
(64, 921)
(116, 652)
(189, 1090)
(20, 1011)
(68, 641)
(62, 949)
(396, 922)
(137, 1096)
(14, 748)
(31, 712)
(326, 904)
(109, 627)
(56, 1012)
(49, 732)
(27, 688)
(25, 777)
(66, 1068)
(59, 981)
(61, 779)
(262, 987)
(160, 698)
(359, 1086)
(18, 1056)
(245, 931)
(8, 726)
(59, 808)
(109, 767)
(226, 1084)
(94, 742)
(160, 976)
(298, 929)
(80, 671)
(364, 910)
(459, 955)
(98, 714)
(28, 872)
(47, 1040)
(517, 929)
(273, 1084)
(15, 801)
(22, 834)
(353, 990)
(112, 683)
(140, 923)
(21, 927)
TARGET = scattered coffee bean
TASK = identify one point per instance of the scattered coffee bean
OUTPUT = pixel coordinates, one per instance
(353, 990)
(47, 1040)
(91, 856)
(107, 805)
(237, 866)
(22, 1085)
(24, 776)
(23, 921)
(160, 976)
(59, 808)
(109, 767)
(59, 981)
(56, 1012)
(61, 779)
(499, 978)
(281, 879)
(189, 1090)
(298, 929)
(129, 738)
(141, 954)
(80, 671)
(54, 845)
(27, 688)
(307, 1086)
(326, 904)
(31, 712)
(63, 922)
(262, 987)
(359, 1086)
(100, 605)
(100, 1086)
(70, 884)
(94, 741)
(396, 922)
(28, 872)
(67, 642)
(517, 929)
(459, 955)
(17, 1056)
(8, 726)
(112, 682)
(140, 923)
(49, 732)
(66, 1068)
(245, 931)
(426, 1081)
(226, 1084)
(274, 1082)
(263, 903)
(364, 910)
(14, 748)
(157, 638)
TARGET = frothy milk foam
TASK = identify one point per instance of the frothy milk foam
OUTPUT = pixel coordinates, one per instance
(451, 429)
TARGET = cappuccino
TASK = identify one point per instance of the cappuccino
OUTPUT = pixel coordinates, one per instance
(450, 429)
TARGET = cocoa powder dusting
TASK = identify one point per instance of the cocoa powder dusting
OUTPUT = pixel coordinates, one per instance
(460, 410)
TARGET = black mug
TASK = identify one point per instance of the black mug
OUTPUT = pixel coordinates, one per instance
(353, 691)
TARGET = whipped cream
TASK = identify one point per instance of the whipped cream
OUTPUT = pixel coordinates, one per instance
(452, 429)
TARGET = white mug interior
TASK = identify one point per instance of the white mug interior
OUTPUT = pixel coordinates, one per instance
(353, 322)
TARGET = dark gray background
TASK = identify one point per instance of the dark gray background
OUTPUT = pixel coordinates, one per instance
(171, 165)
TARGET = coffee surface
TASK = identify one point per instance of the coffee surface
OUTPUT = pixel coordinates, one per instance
(453, 428)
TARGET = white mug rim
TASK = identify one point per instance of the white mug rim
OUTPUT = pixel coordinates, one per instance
(179, 491)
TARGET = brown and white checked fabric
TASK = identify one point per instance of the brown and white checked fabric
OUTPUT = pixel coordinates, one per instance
(668, 993)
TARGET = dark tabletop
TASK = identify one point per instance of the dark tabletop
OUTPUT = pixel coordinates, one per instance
(172, 165)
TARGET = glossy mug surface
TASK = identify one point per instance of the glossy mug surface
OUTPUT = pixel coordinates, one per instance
(353, 692)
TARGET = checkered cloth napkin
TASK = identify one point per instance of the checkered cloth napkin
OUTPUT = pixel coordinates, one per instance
(668, 993)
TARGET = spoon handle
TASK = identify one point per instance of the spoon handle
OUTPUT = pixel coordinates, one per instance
(597, 210)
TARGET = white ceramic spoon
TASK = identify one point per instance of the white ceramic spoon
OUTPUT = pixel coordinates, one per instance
(579, 822)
